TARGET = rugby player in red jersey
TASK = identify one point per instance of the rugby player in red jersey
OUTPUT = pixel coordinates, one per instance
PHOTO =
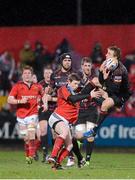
(25, 95)
(66, 113)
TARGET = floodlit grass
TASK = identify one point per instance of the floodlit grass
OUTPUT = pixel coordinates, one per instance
(103, 165)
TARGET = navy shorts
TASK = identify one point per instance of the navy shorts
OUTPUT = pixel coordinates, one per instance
(44, 115)
(87, 115)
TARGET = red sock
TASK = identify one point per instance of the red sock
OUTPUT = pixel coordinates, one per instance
(26, 148)
(37, 144)
(32, 148)
(57, 146)
(63, 154)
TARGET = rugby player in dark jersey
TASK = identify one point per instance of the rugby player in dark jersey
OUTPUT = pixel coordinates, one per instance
(88, 113)
(59, 78)
(44, 116)
(65, 114)
(113, 77)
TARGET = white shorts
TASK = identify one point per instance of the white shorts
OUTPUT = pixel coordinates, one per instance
(84, 127)
(27, 120)
(54, 118)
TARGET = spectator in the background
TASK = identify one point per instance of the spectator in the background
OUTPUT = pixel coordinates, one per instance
(97, 55)
(42, 58)
(7, 68)
(38, 48)
(129, 60)
(130, 105)
(63, 47)
(76, 59)
(132, 77)
(26, 55)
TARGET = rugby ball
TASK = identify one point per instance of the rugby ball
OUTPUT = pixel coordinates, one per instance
(111, 64)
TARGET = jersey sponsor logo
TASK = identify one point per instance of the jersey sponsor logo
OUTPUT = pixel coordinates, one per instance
(117, 79)
(35, 88)
(60, 83)
(57, 77)
(30, 97)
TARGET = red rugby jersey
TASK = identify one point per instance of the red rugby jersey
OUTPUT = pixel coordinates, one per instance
(33, 93)
(65, 108)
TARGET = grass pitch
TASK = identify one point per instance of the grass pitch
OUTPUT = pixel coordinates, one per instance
(102, 166)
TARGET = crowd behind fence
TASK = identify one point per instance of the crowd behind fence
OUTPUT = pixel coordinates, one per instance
(39, 56)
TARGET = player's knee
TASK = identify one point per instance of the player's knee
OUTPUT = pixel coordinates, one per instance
(108, 103)
(23, 133)
(105, 105)
(31, 131)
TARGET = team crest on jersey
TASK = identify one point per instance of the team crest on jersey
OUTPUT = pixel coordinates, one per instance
(35, 88)
(117, 79)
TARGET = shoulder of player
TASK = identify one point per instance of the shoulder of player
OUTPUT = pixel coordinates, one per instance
(19, 83)
(62, 89)
(56, 74)
(37, 84)
(122, 67)
(42, 83)
(80, 74)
